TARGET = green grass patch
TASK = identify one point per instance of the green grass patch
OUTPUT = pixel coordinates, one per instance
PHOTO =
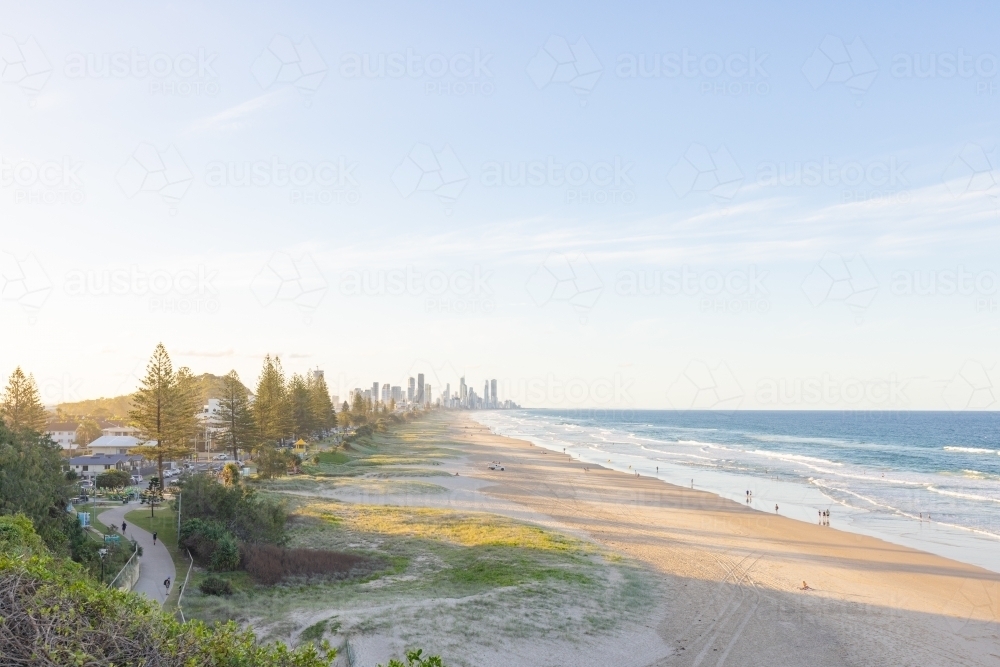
(163, 523)
(334, 458)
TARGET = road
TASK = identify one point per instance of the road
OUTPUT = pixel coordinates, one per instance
(156, 563)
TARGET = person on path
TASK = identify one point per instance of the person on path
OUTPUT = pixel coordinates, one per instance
(154, 539)
(124, 526)
(166, 584)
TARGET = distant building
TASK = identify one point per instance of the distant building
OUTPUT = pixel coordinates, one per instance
(411, 390)
(420, 389)
(89, 467)
(427, 395)
(209, 412)
(317, 374)
(493, 393)
(375, 394)
(115, 430)
(336, 401)
(386, 394)
(114, 444)
(63, 433)
(486, 394)
(396, 394)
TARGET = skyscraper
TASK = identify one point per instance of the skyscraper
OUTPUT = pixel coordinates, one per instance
(427, 395)
(411, 390)
(385, 394)
(493, 393)
(374, 392)
(486, 394)
(420, 389)
(463, 392)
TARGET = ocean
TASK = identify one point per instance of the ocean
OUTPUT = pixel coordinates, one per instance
(927, 480)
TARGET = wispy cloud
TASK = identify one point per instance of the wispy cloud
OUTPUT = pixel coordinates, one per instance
(237, 117)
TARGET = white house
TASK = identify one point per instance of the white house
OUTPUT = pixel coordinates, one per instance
(64, 433)
(89, 467)
(120, 431)
(114, 444)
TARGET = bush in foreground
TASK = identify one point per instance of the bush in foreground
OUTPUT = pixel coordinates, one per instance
(52, 614)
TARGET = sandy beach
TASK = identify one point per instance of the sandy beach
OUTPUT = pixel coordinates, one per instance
(733, 577)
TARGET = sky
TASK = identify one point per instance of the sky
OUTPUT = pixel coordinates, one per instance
(614, 206)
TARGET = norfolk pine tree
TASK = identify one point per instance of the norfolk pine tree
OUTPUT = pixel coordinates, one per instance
(157, 411)
(21, 406)
(235, 415)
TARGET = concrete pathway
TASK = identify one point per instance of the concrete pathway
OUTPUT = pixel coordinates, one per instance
(155, 563)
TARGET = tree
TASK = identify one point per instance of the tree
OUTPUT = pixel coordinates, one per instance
(32, 482)
(271, 462)
(230, 474)
(235, 415)
(270, 407)
(113, 479)
(88, 431)
(158, 411)
(300, 407)
(184, 424)
(21, 406)
(322, 406)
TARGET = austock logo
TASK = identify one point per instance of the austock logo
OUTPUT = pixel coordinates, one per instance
(297, 281)
(149, 170)
(23, 64)
(569, 279)
(25, 282)
(284, 61)
(558, 61)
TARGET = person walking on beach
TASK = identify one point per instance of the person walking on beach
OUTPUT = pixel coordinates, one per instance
(776, 508)
(154, 539)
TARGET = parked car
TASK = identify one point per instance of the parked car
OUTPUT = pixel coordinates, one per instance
(137, 479)
(221, 457)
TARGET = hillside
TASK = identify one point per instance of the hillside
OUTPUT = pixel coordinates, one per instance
(117, 407)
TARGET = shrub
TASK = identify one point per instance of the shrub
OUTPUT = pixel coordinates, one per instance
(249, 517)
(213, 585)
(269, 564)
(113, 479)
(272, 462)
(226, 556)
(201, 537)
(416, 659)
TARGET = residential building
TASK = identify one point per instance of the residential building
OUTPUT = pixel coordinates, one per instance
(386, 395)
(113, 444)
(63, 433)
(116, 430)
(89, 467)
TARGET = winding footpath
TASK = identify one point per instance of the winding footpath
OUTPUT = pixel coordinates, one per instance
(155, 563)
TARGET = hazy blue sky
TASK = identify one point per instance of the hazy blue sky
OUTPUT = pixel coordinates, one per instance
(622, 205)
